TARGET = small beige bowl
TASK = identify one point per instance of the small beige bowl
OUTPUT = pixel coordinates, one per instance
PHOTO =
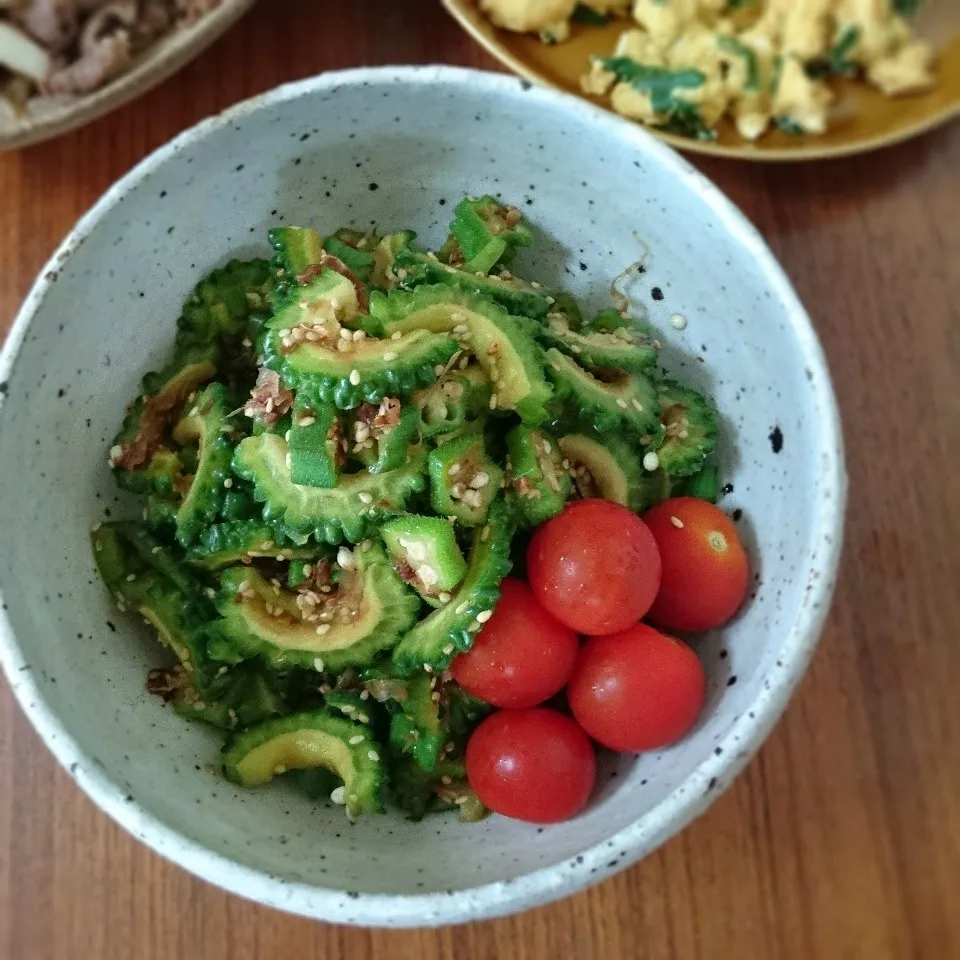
(52, 116)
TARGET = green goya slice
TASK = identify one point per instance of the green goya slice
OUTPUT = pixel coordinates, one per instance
(515, 296)
(384, 255)
(690, 429)
(488, 232)
(241, 695)
(365, 613)
(330, 366)
(151, 585)
(435, 640)
(416, 729)
(418, 792)
(704, 485)
(304, 741)
(540, 484)
(242, 541)
(622, 349)
(610, 468)
(314, 442)
(348, 512)
(344, 246)
(220, 310)
(294, 250)
(503, 344)
(206, 424)
(464, 480)
(625, 401)
(425, 554)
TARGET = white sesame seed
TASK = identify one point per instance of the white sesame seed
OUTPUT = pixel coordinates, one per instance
(322, 629)
(621, 403)
(677, 522)
(354, 740)
(364, 694)
(318, 665)
(484, 615)
(131, 577)
(637, 404)
(444, 597)
(228, 483)
(365, 497)
(651, 461)
(396, 336)
(363, 718)
(355, 377)
(338, 796)
(373, 755)
(98, 546)
(678, 321)
(448, 649)
(390, 356)
(359, 335)
(493, 401)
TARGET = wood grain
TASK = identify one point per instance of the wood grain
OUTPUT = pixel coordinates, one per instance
(842, 839)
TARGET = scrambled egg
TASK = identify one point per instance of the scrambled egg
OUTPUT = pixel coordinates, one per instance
(684, 64)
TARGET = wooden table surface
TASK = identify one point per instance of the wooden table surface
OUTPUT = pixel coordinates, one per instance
(842, 838)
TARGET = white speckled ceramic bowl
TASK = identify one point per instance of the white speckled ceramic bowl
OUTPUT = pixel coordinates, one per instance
(397, 147)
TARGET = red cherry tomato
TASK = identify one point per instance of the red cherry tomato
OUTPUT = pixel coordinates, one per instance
(535, 765)
(705, 570)
(521, 657)
(595, 567)
(636, 690)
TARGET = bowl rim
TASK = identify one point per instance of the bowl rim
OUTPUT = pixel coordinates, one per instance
(158, 62)
(676, 810)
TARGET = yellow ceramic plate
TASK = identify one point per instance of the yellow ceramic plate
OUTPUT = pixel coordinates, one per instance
(863, 119)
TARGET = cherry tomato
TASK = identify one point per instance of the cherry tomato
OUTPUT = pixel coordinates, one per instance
(705, 570)
(636, 690)
(521, 657)
(535, 765)
(595, 567)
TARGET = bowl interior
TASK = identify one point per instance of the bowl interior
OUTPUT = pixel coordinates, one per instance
(396, 149)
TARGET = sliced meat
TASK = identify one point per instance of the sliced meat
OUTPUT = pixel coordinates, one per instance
(54, 23)
(105, 49)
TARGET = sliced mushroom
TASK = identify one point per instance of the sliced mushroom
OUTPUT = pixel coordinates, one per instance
(22, 55)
